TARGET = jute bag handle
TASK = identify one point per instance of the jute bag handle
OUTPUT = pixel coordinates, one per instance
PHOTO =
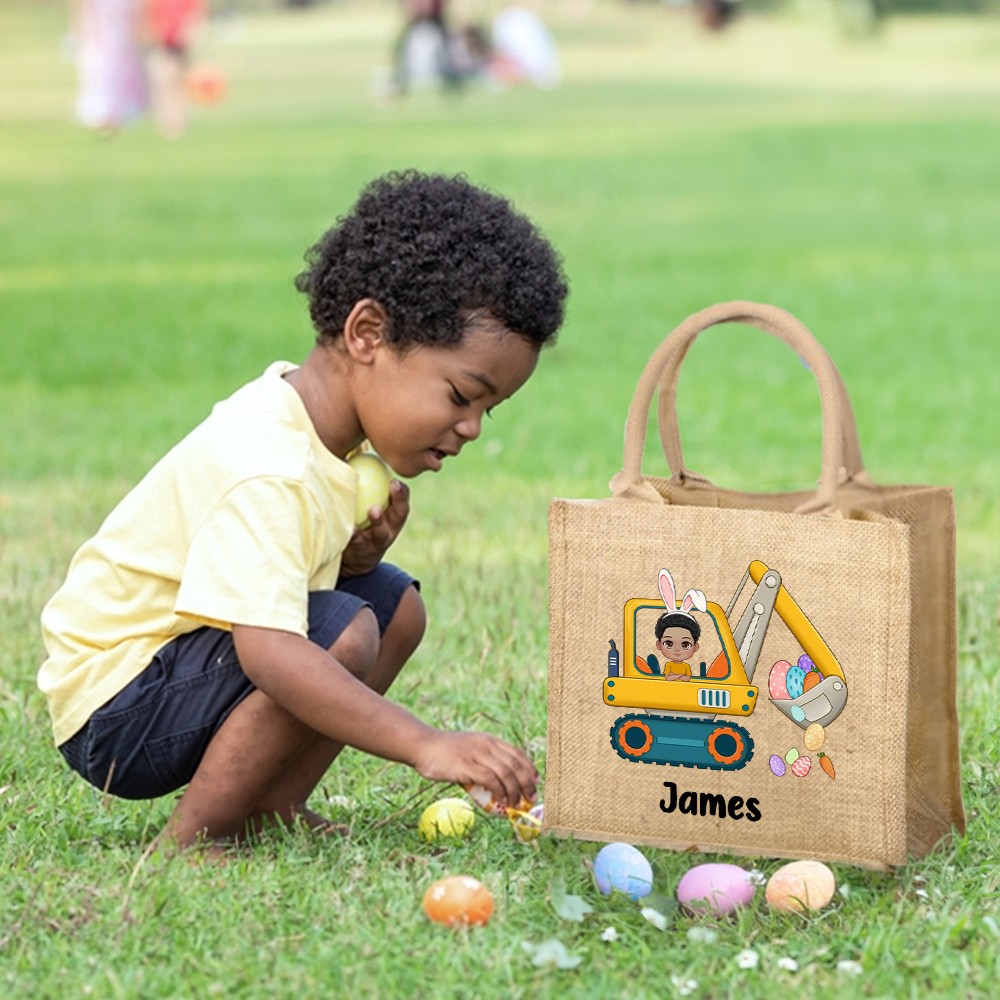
(841, 453)
(853, 469)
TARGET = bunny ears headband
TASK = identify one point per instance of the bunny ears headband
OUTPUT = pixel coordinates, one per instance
(692, 599)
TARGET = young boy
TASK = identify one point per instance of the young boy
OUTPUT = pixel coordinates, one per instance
(677, 635)
(227, 628)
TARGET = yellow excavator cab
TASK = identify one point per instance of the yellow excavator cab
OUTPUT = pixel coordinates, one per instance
(718, 686)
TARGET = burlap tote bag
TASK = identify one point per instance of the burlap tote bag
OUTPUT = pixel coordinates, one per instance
(765, 674)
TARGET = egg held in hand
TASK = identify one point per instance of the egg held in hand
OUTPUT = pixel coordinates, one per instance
(374, 477)
(489, 803)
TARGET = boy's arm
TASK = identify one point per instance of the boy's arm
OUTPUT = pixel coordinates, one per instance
(316, 688)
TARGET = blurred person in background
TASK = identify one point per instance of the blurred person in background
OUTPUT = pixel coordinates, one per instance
(522, 49)
(716, 14)
(112, 81)
(169, 29)
(421, 54)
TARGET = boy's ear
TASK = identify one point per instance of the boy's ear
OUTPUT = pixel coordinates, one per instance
(365, 330)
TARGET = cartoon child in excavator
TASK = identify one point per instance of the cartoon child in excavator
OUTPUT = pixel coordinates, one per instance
(683, 715)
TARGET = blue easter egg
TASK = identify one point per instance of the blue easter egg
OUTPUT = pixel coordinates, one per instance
(623, 868)
(794, 681)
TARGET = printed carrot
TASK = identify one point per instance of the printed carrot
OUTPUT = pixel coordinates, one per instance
(827, 765)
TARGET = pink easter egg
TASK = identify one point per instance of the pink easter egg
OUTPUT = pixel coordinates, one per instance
(715, 889)
(776, 680)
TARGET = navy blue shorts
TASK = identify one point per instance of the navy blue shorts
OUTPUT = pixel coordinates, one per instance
(149, 739)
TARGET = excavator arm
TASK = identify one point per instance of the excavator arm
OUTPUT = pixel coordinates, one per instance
(823, 702)
(798, 624)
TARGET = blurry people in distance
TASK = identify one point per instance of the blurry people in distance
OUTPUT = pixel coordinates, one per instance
(422, 52)
(169, 27)
(523, 50)
(112, 81)
(716, 14)
(429, 52)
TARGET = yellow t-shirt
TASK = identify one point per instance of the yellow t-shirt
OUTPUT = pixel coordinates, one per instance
(236, 524)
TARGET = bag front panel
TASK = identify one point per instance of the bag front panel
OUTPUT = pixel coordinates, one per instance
(794, 746)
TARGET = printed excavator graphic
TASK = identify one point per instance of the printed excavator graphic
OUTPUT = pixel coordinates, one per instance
(689, 722)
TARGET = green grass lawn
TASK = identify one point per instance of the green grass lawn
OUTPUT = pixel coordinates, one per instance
(853, 183)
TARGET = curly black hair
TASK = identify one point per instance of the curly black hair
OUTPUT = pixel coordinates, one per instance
(437, 253)
(675, 619)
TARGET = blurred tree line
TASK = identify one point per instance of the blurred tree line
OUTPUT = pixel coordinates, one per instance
(855, 16)
(889, 6)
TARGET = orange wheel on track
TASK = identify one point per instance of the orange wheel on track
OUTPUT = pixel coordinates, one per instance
(639, 730)
(725, 745)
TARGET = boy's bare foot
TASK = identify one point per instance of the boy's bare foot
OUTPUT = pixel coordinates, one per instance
(219, 852)
(320, 824)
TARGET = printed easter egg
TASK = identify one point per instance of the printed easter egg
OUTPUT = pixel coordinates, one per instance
(446, 818)
(777, 765)
(801, 766)
(622, 868)
(800, 886)
(457, 900)
(792, 756)
(795, 682)
(776, 686)
(715, 889)
(486, 801)
(815, 736)
(806, 663)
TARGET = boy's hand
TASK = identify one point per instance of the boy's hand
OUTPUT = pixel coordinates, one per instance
(480, 759)
(367, 545)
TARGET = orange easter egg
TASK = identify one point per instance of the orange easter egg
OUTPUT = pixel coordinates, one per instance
(800, 886)
(458, 900)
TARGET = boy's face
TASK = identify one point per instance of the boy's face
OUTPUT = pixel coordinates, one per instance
(677, 644)
(426, 404)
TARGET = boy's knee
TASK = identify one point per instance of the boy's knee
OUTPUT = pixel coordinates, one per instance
(357, 646)
(410, 620)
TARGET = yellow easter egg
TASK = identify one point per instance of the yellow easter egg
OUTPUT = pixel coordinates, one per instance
(815, 736)
(374, 478)
(446, 818)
